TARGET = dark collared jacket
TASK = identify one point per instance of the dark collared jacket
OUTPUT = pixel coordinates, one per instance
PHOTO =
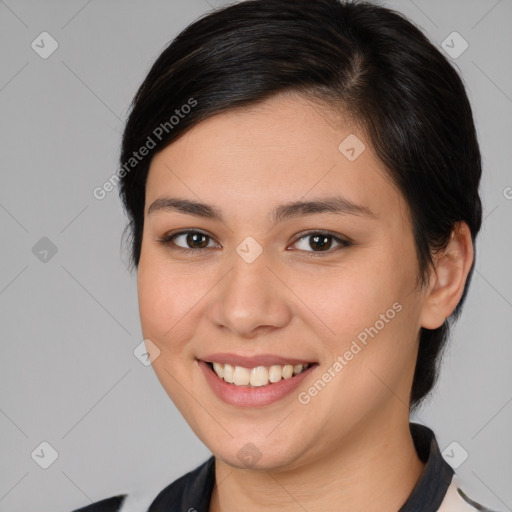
(437, 490)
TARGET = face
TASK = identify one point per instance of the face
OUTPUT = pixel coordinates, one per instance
(257, 288)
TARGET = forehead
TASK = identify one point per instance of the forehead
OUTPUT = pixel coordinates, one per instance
(283, 149)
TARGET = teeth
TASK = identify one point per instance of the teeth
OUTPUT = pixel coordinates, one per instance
(219, 369)
(275, 373)
(228, 372)
(258, 376)
(241, 376)
(287, 371)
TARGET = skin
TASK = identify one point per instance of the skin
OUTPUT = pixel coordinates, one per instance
(350, 447)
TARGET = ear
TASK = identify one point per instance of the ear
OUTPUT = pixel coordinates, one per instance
(448, 278)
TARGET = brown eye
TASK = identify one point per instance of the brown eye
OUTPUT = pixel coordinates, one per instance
(188, 241)
(196, 240)
(320, 242)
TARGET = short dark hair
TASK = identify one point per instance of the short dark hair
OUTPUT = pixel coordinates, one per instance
(364, 60)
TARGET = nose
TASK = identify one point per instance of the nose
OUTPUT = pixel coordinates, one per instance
(250, 300)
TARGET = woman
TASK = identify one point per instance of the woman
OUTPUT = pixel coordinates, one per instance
(301, 180)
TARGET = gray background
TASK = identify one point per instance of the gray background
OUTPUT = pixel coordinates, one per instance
(69, 324)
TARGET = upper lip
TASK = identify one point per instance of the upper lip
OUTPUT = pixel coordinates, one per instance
(252, 361)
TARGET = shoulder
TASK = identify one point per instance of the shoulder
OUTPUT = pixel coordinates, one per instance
(112, 504)
(193, 487)
(456, 500)
(192, 491)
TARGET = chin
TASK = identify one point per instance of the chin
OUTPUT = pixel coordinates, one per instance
(249, 451)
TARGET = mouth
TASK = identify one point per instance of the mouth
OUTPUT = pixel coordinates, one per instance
(257, 376)
(254, 381)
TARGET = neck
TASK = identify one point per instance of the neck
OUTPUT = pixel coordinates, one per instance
(375, 469)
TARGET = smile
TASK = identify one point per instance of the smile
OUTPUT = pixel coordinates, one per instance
(259, 382)
(257, 376)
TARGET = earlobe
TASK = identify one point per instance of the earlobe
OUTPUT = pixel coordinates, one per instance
(448, 278)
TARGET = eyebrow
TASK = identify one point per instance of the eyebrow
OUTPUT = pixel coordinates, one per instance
(338, 205)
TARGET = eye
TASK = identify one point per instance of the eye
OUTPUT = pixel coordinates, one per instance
(192, 241)
(320, 242)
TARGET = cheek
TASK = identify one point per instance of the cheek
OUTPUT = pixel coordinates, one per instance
(352, 297)
(341, 299)
(165, 293)
(166, 298)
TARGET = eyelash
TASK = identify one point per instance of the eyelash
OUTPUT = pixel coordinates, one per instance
(167, 242)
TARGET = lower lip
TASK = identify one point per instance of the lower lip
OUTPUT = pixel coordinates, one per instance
(258, 396)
